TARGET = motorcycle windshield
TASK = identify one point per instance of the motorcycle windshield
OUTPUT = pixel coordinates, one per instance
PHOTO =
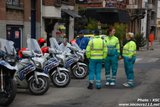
(7, 46)
(76, 46)
(33, 45)
(54, 44)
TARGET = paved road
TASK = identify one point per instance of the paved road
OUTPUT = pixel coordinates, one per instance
(147, 73)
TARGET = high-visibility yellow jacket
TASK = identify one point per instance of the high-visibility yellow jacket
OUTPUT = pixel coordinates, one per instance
(112, 45)
(129, 49)
(96, 48)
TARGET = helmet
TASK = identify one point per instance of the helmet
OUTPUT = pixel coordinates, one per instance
(41, 41)
(61, 27)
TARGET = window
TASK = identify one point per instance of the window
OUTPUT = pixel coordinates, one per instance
(16, 3)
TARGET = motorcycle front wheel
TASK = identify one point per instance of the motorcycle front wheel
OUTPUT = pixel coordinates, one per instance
(81, 72)
(62, 79)
(9, 93)
(41, 88)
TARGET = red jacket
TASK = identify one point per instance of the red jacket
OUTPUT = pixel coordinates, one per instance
(151, 37)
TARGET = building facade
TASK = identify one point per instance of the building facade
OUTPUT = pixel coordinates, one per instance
(20, 19)
(158, 20)
(15, 20)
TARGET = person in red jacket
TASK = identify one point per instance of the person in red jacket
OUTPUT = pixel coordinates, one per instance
(151, 40)
(41, 42)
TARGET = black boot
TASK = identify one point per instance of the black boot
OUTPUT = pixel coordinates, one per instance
(90, 86)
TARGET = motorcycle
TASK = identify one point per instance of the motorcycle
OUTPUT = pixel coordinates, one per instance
(7, 71)
(59, 76)
(71, 59)
(27, 76)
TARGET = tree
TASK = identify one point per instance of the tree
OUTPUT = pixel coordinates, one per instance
(140, 40)
(92, 24)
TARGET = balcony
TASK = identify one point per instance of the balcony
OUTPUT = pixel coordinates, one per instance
(95, 1)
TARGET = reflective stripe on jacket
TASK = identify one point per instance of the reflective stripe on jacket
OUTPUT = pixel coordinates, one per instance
(96, 48)
(112, 45)
(129, 49)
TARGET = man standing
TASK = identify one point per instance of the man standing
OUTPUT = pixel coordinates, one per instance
(129, 55)
(96, 51)
(82, 41)
(113, 55)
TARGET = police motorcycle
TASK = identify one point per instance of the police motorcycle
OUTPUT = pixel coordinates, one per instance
(78, 51)
(71, 60)
(27, 76)
(7, 71)
(59, 76)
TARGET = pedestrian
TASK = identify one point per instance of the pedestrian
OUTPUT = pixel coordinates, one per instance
(82, 43)
(129, 55)
(151, 40)
(96, 51)
(112, 58)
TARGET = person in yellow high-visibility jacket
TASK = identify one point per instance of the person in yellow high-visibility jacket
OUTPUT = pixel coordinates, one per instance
(129, 55)
(96, 51)
(112, 57)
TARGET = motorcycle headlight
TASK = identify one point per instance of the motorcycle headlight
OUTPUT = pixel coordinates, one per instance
(38, 65)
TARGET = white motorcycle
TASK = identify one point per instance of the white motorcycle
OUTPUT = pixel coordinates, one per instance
(28, 77)
(70, 60)
(59, 76)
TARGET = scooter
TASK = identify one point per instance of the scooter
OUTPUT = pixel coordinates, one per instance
(7, 71)
(71, 60)
(59, 76)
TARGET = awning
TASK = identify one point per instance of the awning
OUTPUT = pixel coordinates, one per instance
(71, 13)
